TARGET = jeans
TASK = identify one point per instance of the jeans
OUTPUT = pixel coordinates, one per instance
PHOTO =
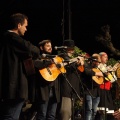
(47, 110)
(91, 107)
(10, 109)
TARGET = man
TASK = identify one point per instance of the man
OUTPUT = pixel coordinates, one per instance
(91, 79)
(13, 80)
(70, 82)
(47, 90)
(106, 86)
(106, 100)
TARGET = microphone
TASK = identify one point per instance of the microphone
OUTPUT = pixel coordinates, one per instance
(66, 61)
(60, 47)
(48, 55)
(93, 59)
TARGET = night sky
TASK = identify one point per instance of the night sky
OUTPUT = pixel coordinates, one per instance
(46, 20)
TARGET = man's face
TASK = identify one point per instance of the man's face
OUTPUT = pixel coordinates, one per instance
(47, 48)
(104, 59)
(22, 28)
(70, 51)
(95, 63)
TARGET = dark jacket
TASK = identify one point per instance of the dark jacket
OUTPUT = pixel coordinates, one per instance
(90, 86)
(13, 80)
(71, 80)
(42, 85)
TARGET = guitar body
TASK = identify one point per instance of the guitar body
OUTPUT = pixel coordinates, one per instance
(118, 72)
(51, 73)
(81, 68)
(97, 79)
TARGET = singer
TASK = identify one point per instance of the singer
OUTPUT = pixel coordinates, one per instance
(106, 100)
(70, 87)
(47, 93)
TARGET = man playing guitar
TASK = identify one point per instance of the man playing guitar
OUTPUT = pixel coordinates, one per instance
(106, 100)
(92, 78)
(47, 92)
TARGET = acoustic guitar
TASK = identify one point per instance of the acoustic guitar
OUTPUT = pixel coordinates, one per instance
(97, 79)
(114, 68)
(100, 80)
(51, 72)
(111, 75)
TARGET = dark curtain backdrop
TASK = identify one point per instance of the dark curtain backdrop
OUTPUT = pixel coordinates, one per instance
(46, 20)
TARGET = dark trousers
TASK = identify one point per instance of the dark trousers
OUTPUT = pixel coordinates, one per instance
(10, 109)
(47, 109)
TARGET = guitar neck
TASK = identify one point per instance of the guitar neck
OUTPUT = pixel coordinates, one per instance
(114, 68)
(70, 61)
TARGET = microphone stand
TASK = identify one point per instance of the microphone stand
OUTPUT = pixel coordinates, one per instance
(83, 86)
(71, 88)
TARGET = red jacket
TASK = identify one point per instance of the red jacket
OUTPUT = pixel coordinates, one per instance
(106, 85)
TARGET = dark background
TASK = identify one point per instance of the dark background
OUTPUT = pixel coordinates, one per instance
(46, 20)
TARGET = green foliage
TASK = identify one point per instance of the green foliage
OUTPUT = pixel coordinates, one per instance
(78, 104)
(111, 62)
(77, 51)
(117, 103)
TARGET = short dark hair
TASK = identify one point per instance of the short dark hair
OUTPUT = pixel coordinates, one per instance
(17, 18)
(43, 42)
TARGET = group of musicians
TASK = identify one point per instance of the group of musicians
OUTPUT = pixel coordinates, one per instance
(53, 82)
(61, 78)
